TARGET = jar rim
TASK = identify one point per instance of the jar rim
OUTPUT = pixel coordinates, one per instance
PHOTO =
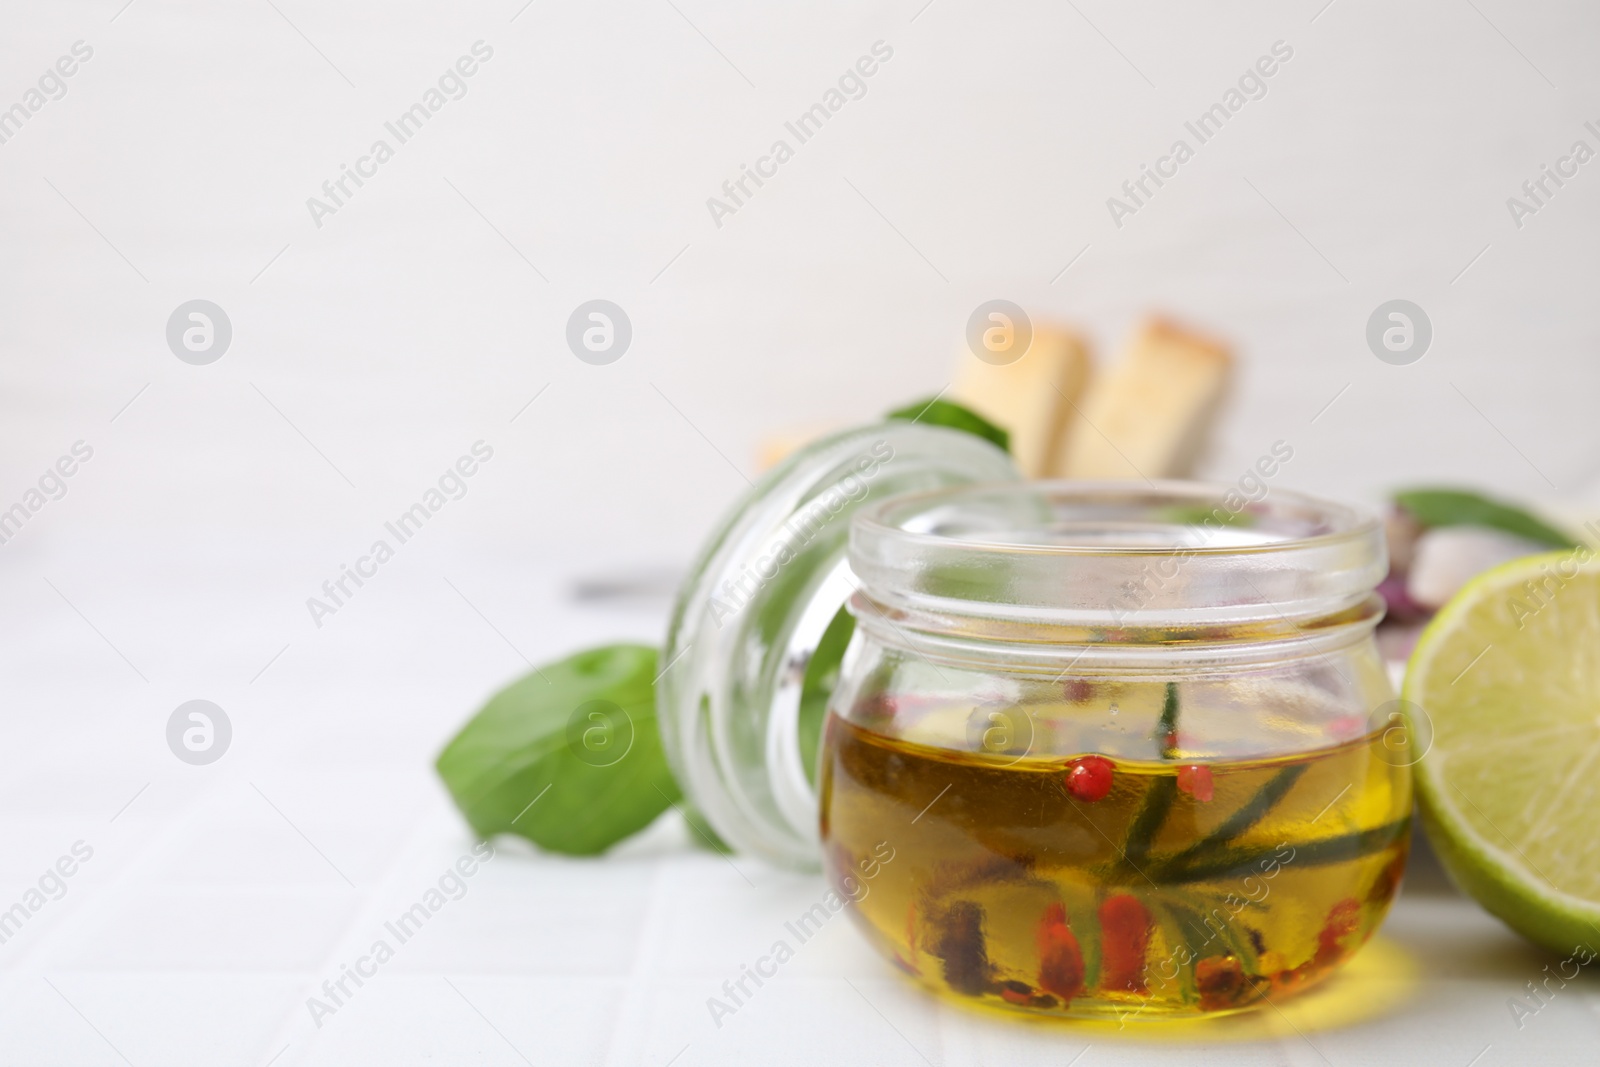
(1118, 554)
(1355, 523)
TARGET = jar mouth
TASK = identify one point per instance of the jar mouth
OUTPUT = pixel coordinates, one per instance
(1110, 557)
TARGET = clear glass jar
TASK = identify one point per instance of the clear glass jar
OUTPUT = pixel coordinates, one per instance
(1091, 749)
(737, 697)
(1115, 748)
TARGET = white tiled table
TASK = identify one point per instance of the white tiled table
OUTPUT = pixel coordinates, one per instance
(222, 897)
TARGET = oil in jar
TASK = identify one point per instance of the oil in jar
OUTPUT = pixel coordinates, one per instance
(1093, 885)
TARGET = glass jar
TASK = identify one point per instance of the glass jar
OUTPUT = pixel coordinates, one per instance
(1091, 748)
(741, 695)
(1115, 748)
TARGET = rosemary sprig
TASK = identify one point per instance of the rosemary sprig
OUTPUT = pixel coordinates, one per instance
(1311, 854)
(1199, 923)
(1147, 824)
(1215, 853)
(1176, 927)
(1169, 722)
(1236, 825)
(1158, 801)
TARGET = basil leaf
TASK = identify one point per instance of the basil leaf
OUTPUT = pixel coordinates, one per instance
(568, 756)
(701, 832)
(1462, 507)
(821, 679)
(937, 412)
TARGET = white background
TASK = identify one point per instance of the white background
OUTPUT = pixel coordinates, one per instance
(369, 353)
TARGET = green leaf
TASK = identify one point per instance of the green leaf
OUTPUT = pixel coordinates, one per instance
(821, 678)
(937, 412)
(1462, 507)
(568, 756)
(701, 832)
(1198, 514)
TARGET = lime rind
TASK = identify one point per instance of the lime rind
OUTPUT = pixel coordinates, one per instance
(1538, 685)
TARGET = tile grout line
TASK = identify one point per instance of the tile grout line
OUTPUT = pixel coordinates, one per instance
(290, 1027)
(628, 1029)
(87, 915)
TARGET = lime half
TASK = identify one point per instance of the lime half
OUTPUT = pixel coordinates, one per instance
(1507, 679)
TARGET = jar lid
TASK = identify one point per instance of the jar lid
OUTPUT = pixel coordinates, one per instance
(749, 617)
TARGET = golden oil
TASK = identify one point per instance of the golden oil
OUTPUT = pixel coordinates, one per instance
(1086, 885)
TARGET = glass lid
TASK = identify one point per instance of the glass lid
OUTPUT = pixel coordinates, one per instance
(743, 682)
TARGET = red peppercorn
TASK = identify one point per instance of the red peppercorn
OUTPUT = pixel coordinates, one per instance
(1347, 726)
(1060, 958)
(1088, 778)
(1124, 939)
(1220, 980)
(1343, 919)
(1016, 992)
(1196, 781)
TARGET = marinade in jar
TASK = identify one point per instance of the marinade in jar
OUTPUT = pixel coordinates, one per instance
(1085, 884)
